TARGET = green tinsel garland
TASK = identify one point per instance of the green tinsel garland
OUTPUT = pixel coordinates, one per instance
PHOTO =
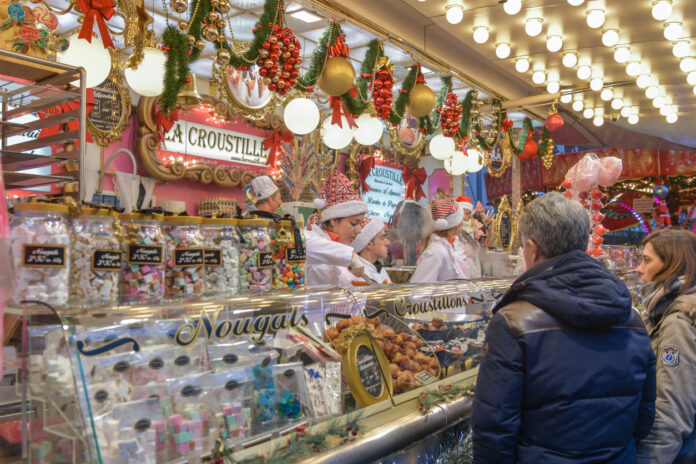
(516, 144)
(440, 102)
(466, 114)
(359, 104)
(316, 64)
(399, 106)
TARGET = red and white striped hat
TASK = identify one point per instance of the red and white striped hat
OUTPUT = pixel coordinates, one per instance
(369, 228)
(446, 214)
(340, 200)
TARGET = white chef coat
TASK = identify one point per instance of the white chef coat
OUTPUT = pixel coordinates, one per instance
(381, 277)
(327, 261)
(439, 262)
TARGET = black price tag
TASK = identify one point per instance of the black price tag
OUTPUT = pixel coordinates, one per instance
(293, 255)
(145, 254)
(213, 257)
(43, 255)
(265, 259)
(188, 257)
(106, 260)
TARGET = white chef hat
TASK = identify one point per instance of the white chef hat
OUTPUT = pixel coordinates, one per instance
(263, 187)
(370, 227)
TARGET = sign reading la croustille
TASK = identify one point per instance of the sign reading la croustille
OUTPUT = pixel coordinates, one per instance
(386, 191)
(212, 142)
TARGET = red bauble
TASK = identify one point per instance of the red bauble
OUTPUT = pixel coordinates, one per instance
(597, 240)
(554, 122)
(597, 217)
(597, 252)
(596, 205)
(597, 194)
(388, 84)
(600, 230)
(567, 184)
(530, 149)
(378, 84)
(568, 195)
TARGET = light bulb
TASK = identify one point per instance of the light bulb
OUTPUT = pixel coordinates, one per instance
(665, 110)
(596, 84)
(643, 81)
(566, 98)
(633, 119)
(691, 78)
(502, 50)
(662, 9)
(553, 87)
(554, 43)
(658, 101)
(522, 65)
(512, 7)
(578, 105)
(688, 64)
(588, 113)
(595, 18)
(480, 34)
(539, 77)
(570, 59)
(681, 48)
(622, 54)
(617, 103)
(625, 111)
(533, 26)
(598, 121)
(610, 37)
(576, 2)
(606, 94)
(673, 30)
(672, 118)
(633, 68)
(584, 72)
(651, 92)
(454, 13)
(694, 90)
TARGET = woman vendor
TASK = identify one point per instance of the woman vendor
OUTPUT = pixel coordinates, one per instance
(331, 261)
(440, 260)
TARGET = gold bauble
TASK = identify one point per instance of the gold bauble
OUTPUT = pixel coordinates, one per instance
(210, 33)
(179, 6)
(223, 57)
(183, 25)
(337, 76)
(421, 101)
(225, 6)
(200, 44)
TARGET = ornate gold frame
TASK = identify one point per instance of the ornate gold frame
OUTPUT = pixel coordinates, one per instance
(397, 144)
(506, 150)
(148, 142)
(504, 208)
(516, 225)
(102, 137)
(350, 370)
(238, 108)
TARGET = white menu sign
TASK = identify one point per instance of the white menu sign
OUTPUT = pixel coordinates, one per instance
(387, 189)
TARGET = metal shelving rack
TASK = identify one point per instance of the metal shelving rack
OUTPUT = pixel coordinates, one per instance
(29, 85)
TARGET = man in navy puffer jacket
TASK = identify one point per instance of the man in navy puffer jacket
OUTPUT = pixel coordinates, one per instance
(568, 374)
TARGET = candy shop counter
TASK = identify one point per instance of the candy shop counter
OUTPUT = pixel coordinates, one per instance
(188, 380)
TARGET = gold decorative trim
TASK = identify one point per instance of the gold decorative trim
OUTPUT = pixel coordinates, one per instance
(115, 77)
(239, 109)
(516, 226)
(506, 151)
(352, 370)
(399, 145)
(504, 209)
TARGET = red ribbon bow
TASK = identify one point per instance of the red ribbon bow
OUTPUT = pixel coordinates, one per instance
(339, 109)
(414, 179)
(364, 168)
(507, 125)
(273, 142)
(71, 125)
(165, 122)
(101, 10)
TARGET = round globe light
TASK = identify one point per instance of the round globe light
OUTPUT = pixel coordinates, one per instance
(622, 54)
(539, 77)
(369, 130)
(335, 136)
(584, 72)
(625, 111)
(691, 78)
(617, 103)
(694, 90)
(610, 37)
(578, 105)
(672, 118)
(633, 68)
(643, 81)
(566, 98)
(633, 119)
(606, 94)
(588, 113)
(576, 2)
(456, 164)
(596, 84)
(454, 13)
(474, 159)
(595, 18)
(652, 91)
(441, 147)
(301, 116)
(570, 59)
(92, 56)
(533, 26)
(662, 9)
(522, 65)
(688, 64)
(665, 110)
(481, 34)
(502, 50)
(658, 101)
(681, 48)
(673, 30)
(512, 7)
(554, 43)
(148, 78)
(553, 87)
(598, 121)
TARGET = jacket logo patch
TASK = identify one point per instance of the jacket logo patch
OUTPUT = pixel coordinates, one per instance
(484, 350)
(670, 356)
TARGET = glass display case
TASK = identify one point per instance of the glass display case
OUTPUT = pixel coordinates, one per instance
(185, 380)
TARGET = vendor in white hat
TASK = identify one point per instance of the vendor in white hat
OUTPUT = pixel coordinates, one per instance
(439, 261)
(330, 258)
(266, 195)
(467, 248)
(372, 245)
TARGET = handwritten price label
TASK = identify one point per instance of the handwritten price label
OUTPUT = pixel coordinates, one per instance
(188, 257)
(265, 259)
(145, 254)
(107, 260)
(213, 257)
(43, 255)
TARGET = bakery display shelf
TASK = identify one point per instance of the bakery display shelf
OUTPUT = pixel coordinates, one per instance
(13, 161)
(28, 70)
(20, 180)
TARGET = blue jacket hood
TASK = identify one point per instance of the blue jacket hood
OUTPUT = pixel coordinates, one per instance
(575, 288)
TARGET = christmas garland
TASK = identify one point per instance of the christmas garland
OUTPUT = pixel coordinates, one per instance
(319, 55)
(430, 398)
(399, 107)
(358, 105)
(496, 126)
(465, 123)
(441, 98)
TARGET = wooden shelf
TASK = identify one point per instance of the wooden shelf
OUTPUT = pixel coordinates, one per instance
(13, 161)
(20, 180)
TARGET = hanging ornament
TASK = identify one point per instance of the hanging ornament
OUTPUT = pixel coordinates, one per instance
(450, 116)
(200, 44)
(210, 33)
(554, 121)
(222, 57)
(279, 60)
(178, 6)
(530, 148)
(421, 99)
(336, 77)
(224, 6)
(182, 25)
(382, 94)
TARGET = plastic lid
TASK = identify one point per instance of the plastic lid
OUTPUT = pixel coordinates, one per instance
(141, 217)
(97, 212)
(42, 207)
(183, 219)
(220, 221)
(255, 222)
(286, 223)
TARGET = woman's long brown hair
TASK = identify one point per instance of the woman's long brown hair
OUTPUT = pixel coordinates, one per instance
(677, 249)
(442, 233)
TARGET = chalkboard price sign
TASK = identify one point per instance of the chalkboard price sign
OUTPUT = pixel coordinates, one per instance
(368, 368)
(111, 111)
(505, 230)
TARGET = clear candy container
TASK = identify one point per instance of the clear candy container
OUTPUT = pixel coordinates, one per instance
(256, 255)
(288, 259)
(97, 258)
(40, 237)
(142, 275)
(221, 243)
(185, 271)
